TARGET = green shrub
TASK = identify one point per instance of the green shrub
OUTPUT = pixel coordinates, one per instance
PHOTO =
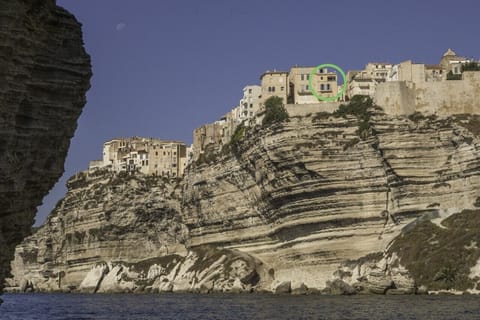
(471, 66)
(237, 136)
(441, 258)
(360, 107)
(275, 111)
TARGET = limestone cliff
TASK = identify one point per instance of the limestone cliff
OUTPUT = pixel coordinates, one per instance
(103, 217)
(319, 202)
(308, 195)
(122, 233)
(44, 75)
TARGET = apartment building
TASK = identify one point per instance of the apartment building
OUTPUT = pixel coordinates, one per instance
(324, 82)
(274, 83)
(146, 155)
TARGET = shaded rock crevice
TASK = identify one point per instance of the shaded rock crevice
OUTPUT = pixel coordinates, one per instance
(45, 74)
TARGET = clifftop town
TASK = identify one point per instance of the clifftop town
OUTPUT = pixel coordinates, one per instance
(450, 87)
(338, 197)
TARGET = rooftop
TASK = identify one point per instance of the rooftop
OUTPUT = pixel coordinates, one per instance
(273, 72)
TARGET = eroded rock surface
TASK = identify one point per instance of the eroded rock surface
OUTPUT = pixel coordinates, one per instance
(44, 75)
(103, 218)
(301, 207)
(308, 195)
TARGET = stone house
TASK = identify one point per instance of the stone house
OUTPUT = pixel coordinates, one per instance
(147, 155)
(324, 82)
(364, 82)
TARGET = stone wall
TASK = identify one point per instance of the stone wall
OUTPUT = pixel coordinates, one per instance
(304, 109)
(395, 97)
(438, 97)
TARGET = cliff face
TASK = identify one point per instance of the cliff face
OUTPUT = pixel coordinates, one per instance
(45, 74)
(308, 196)
(102, 218)
(124, 233)
(303, 204)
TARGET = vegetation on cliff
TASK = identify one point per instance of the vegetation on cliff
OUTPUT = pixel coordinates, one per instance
(275, 111)
(361, 107)
(441, 256)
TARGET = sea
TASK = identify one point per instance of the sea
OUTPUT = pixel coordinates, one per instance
(235, 306)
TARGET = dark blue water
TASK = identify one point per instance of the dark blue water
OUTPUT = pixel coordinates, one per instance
(190, 306)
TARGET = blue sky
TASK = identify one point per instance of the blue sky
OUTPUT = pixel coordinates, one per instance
(164, 67)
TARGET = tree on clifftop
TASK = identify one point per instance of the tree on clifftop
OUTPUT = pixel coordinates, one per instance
(275, 111)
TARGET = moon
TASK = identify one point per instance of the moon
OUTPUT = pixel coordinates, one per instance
(120, 26)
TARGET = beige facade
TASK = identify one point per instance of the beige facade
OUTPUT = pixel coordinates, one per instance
(146, 155)
(274, 83)
(324, 83)
(167, 158)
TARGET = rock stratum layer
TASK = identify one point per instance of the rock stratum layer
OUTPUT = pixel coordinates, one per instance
(45, 73)
(296, 207)
(308, 196)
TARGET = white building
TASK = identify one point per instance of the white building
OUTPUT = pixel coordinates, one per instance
(364, 82)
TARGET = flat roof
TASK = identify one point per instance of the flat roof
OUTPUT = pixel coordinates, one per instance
(273, 72)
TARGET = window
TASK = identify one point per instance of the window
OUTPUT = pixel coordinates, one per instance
(306, 87)
(251, 105)
(328, 86)
(308, 76)
(156, 153)
(273, 89)
(249, 90)
(163, 152)
(174, 153)
(301, 77)
(282, 88)
(322, 87)
(331, 78)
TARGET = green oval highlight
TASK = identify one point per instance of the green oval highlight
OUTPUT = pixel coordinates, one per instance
(315, 93)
